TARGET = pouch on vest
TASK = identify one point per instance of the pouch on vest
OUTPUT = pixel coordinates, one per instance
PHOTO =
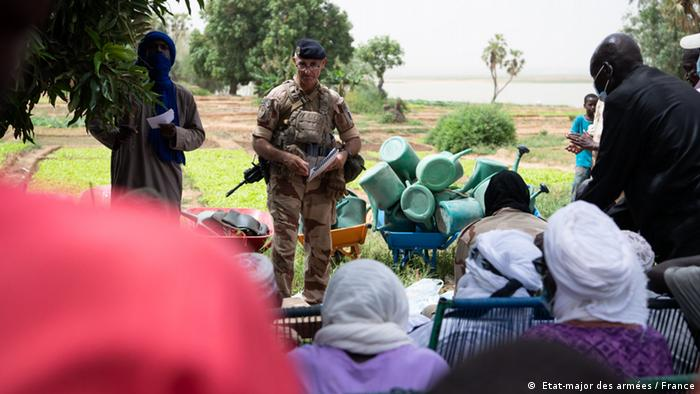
(351, 210)
(309, 127)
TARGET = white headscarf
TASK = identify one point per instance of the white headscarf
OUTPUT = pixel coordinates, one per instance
(597, 273)
(364, 310)
(261, 271)
(642, 248)
(511, 252)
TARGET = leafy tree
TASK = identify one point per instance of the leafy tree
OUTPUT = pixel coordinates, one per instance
(85, 56)
(204, 62)
(233, 28)
(346, 76)
(658, 26)
(286, 22)
(497, 55)
(381, 53)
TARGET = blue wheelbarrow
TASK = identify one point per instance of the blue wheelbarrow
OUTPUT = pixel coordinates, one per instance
(404, 245)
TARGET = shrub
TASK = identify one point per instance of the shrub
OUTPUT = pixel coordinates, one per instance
(364, 99)
(486, 125)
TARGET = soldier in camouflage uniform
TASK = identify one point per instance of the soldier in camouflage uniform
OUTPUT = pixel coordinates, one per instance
(295, 129)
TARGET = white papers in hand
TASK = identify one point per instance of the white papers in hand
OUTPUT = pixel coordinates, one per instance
(323, 165)
(166, 117)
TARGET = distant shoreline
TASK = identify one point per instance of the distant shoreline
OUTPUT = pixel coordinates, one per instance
(528, 79)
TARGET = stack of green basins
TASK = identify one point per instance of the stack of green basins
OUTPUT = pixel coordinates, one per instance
(416, 193)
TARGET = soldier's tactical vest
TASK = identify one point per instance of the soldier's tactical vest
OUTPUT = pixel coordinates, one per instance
(310, 131)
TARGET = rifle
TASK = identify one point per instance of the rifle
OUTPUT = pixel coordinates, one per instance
(253, 174)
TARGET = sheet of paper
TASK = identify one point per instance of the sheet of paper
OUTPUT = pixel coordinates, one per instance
(321, 167)
(166, 117)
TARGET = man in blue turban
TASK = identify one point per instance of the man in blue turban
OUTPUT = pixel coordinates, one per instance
(150, 157)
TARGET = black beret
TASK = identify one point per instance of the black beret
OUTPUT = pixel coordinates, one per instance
(309, 49)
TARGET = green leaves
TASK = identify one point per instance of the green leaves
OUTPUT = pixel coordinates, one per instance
(472, 125)
(381, 53)
(658, 27)
(497, 55)
(249, 40)
(84, 55)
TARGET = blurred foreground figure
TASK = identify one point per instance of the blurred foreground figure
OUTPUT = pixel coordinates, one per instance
(119, 301)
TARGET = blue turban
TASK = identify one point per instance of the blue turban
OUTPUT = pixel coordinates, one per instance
(159, 72)
(149, 38)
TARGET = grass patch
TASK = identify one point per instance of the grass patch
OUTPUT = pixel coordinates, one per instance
(547, 148)
(215, 171)
(422, 104)
(73, 170)
(559, 184)
(55, 122)
(8, 148)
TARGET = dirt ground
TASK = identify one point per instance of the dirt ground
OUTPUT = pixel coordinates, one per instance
(229, 120)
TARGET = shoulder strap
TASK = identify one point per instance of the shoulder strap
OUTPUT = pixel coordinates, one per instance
(298, 99)
(325, 101)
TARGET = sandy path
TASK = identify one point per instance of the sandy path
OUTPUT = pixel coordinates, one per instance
(20, 167)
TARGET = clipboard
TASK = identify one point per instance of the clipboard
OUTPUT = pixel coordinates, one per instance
(322, 166)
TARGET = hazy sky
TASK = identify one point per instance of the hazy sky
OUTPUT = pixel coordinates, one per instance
(446, 37)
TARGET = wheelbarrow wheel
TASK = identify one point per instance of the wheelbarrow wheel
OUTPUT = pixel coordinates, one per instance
(352, 251)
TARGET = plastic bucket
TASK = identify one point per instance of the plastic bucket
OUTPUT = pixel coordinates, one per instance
(417, 202)
(452, 216)
(395, 220)
(399, 154)
(440, 170)
(382, 185)
(483, 169)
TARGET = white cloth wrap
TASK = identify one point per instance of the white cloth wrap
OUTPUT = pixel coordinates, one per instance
(511, 252)
(365, 309)
(642, 248)
(597, 273)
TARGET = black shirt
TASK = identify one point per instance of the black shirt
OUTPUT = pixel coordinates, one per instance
(650, 149)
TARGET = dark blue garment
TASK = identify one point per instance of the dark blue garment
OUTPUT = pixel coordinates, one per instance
(159, 72)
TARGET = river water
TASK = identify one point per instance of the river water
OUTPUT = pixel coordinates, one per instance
(527, 91)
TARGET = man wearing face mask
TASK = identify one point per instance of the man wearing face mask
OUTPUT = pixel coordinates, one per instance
(145, 157)
(650, 148)
(295, 129)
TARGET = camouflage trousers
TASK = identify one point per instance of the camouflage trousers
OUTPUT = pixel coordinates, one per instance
(288, 196)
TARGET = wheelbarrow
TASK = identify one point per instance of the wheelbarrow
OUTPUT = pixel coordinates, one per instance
(244, 243)
(346, 241)
(404, 245)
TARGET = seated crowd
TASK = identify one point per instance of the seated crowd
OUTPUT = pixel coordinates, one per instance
(142, 327)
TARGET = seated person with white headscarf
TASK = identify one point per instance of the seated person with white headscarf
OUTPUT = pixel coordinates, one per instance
(599, 294)
(499, 265)
(363, 346)
(507, 207)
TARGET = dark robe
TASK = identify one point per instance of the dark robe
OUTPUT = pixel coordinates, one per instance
(650, 150)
